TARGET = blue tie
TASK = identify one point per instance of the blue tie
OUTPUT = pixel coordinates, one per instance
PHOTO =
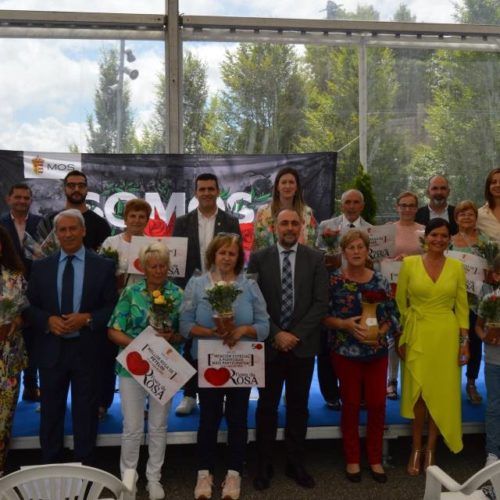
(68, 280)
(286, 291)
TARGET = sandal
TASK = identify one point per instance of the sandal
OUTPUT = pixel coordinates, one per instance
(415, 462)
(392, 390)
(473, 396)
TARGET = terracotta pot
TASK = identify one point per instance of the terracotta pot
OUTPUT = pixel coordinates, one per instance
(224, 322)
(369, 319)
(492, 332)
(4, 330)
(333, 261)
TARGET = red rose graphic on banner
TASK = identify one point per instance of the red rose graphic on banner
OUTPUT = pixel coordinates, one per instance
(247, 238)
(158, 227)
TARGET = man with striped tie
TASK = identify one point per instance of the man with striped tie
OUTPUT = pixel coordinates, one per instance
(293, 280)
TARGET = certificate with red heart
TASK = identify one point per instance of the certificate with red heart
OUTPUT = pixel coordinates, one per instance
(156, 365)
(221, 366)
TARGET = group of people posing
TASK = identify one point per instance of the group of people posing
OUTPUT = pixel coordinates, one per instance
(75, 309)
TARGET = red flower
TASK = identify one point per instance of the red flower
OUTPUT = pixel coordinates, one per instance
(158, 227)
(374, 296)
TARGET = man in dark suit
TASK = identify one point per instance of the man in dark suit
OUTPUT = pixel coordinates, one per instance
(293, 280)
(200, 226)
(21, 225)
(438, 191)
(72, 294)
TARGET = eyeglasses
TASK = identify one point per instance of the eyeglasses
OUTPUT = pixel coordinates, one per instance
(404, 205)
(76, 185)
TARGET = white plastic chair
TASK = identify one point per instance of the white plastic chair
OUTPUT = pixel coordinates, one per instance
(436, 479)
(66, 481)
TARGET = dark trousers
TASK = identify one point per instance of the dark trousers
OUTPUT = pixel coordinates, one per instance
(72, 369)
(191, 386)
(327, 378)
(362, 379)
(30, 374)
(236, 413)
(475, 349)
(107, 379)
(297, 373)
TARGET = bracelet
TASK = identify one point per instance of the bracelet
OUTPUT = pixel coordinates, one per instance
(463, 340)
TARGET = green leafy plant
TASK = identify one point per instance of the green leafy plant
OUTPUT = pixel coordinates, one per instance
(221, 297)
(363, 182)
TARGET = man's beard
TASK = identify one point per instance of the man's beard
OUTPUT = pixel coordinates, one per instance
(439, 201)
(76, 199)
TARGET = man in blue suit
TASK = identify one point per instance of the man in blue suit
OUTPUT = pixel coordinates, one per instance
(72, 295)
(22, 225)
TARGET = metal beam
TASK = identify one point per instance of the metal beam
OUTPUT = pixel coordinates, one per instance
(363, 106)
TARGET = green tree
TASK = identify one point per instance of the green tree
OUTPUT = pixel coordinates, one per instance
(261, 107)
(478, 12)
(194, 101)
(102, 124)
(403, 14)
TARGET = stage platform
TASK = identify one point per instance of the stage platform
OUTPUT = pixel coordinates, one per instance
(323, 422)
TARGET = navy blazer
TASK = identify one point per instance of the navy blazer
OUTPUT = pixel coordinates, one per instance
(99, 297)
(311, 296)
(423, 215)
(187, 226)
(31, 228)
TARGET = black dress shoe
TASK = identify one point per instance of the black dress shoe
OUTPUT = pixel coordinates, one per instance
(334, 405)
(379, 477)
(31, 394)
(354, 477)
(299, 474)
(262, 480)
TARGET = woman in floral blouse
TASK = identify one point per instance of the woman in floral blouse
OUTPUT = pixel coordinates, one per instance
(132, 314)
(12, 353)
(359, 361)
(287, 193)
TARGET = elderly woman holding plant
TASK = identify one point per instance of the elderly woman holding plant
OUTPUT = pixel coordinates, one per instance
(223, 304)
(12, 354)
(488, 329)
(362, 314)
(152, 301)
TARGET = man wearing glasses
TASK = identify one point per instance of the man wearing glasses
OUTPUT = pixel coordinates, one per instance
(76, 190)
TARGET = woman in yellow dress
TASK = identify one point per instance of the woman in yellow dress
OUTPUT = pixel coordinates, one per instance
(432, 300)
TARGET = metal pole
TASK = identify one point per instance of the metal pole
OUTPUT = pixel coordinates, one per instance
(119, 98)
(173, 65)
(363, 106)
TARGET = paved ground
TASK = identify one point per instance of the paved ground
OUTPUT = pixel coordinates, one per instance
(324, 462)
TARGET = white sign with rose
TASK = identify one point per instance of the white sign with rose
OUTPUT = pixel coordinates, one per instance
(156, 365)
(475, 269)
(176, 246)
(221, 366)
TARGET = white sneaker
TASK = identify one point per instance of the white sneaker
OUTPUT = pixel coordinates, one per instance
(203, 488)
(491, 459)
(155, 490)
(231, 486)
(186, 406)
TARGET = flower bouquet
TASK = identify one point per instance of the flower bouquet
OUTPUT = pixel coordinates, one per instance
(370, 299)
(50, 245)
(221, 296)
(161, 309)
(331, 238)
(488, 250)
(110, 253)
(489, 310)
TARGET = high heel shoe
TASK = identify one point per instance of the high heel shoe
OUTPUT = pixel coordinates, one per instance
(415, 462)
(430, 458)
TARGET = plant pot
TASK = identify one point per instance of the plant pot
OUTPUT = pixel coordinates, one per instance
(4, 330)
(333, 261)
(160, 322)
(492, 332)
(369, 320)
(224, 322)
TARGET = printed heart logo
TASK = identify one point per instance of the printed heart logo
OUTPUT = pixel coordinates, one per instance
(137, 265)
(216, 376)
(136, 365)
(257, 346)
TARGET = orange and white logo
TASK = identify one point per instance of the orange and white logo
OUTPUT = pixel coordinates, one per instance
(50, 165)
(37, 163)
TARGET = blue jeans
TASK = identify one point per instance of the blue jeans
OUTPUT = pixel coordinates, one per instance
(492, 378)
